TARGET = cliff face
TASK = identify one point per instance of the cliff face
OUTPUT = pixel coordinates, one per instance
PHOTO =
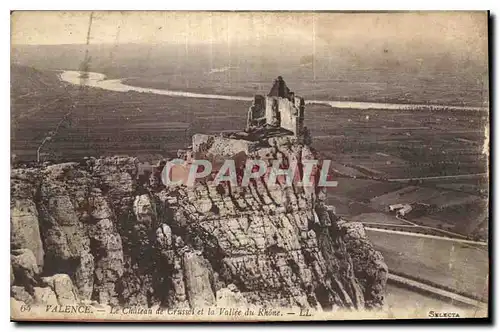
(98, 231)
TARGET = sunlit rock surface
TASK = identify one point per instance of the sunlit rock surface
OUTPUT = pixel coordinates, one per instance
(91, 231)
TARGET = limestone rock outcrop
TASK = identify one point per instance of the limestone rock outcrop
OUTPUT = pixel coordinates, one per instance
(91, 231)
(24, 214)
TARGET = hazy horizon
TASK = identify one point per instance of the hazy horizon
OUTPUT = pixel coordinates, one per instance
(436, 56)
(461, 34)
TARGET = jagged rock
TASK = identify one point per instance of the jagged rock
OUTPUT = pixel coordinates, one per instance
(84, 275)
(56, 243)
(177, 297)
(368, 264)
(62, 286)
(164, 236)
(109, 262)
(44, 295)
(60, 171)
(64, 236)
(182, 247)
(62, 210)
(100, 207)
(231, 297)
(24, 184)
(25, 231)
(12, 277)
(117, 175)
(20, 294)
(144, 211)
(198, 276)
(24, 267)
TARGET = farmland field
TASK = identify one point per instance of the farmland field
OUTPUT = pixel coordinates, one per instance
(461, 267)
(108, 123)
(400, 298)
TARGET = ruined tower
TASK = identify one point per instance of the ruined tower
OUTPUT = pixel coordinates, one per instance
(280, 108)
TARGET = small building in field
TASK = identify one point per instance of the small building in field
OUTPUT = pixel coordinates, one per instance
(407, 208)
(395, 207)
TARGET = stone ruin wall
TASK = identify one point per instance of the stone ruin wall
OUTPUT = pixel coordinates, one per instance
(289, 113)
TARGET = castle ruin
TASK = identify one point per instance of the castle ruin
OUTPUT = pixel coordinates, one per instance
(279, 109)
(279, 114)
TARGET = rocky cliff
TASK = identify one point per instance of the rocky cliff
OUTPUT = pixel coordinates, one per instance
(101, 231)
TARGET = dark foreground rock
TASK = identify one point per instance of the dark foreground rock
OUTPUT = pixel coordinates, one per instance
(94, 231)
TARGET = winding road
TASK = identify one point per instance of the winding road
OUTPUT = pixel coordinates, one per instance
(426, 235)
(442, 177)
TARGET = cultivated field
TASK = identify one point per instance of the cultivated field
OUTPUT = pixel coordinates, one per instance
(460, 267)
(415, 303)
(109, 123)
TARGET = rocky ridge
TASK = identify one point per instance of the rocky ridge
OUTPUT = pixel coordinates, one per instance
(99, 231)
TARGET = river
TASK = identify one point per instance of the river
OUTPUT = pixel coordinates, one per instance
(98, 80)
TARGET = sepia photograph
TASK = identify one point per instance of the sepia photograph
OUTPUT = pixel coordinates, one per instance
(249, 166)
